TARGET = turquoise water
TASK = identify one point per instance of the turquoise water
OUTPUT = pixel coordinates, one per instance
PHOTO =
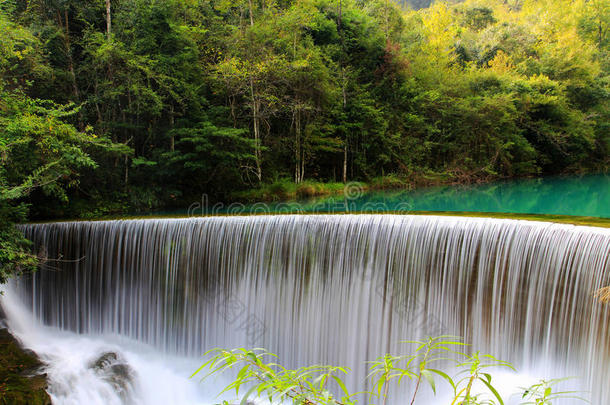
(579, 196)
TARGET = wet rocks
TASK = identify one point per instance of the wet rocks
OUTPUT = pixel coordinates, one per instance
(111, 367)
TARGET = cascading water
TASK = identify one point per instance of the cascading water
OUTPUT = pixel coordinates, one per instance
(334, 289)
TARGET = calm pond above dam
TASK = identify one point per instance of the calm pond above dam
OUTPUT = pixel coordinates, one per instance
(584, 196)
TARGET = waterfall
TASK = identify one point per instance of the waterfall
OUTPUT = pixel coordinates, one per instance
(333, 289)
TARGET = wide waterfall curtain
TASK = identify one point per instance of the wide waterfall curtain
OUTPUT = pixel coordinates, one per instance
(333, 289)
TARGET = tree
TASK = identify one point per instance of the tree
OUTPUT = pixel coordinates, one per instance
(40, 150)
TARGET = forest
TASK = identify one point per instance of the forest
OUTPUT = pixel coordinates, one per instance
(116, 106)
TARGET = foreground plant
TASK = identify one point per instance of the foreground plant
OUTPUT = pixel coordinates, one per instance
(262, 376)
(474, 365)
(305, 385)
(542, 393)
(416, 366)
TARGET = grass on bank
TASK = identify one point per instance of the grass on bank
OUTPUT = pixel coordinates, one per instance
(285, 189)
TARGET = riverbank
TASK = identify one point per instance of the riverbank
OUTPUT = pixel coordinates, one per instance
(21, 381)
(286, 189)
(560, 219)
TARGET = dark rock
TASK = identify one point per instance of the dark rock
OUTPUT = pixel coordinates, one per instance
(114, 369)
(22, 380)
(104, 361)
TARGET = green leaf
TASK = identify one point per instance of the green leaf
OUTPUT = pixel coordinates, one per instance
(341, 384)
(493, 390)
(443, 375)
(430, 378)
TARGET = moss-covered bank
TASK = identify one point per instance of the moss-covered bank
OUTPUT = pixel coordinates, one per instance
(560, 219)
(21, 382)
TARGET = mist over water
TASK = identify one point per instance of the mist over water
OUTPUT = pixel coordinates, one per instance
(329, 289)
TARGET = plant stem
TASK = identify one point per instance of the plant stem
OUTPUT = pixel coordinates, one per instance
(416, 388)
(421, 367)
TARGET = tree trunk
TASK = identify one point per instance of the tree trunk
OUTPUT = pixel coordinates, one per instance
(233, 116)
(68, 47)
(345, 162)
(108, 31)
(297, 146)
(387, 19)
(66, 26)
(171, 123)
(339, 14)
(256, 128)
(126, 170)
(108, 19)
(302, 164)
(251, 12)
(344, 91)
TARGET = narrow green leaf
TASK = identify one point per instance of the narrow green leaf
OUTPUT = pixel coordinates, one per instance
(244, 400)
(445, 376)
(341, 384)
(430, 378)
(493, 390)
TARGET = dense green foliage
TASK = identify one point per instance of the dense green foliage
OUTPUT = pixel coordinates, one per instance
(40, 149)
(115, 105)
(217, 96)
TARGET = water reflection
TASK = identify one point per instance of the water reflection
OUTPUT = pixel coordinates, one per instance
(581, 196)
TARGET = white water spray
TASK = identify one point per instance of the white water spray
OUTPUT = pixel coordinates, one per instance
(137, 374)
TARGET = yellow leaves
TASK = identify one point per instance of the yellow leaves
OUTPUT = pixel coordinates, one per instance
(226, 5)
(440, 30)
(502, 63)
(231, 68)
(550, 19)
(300, 64)
(438, 22)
